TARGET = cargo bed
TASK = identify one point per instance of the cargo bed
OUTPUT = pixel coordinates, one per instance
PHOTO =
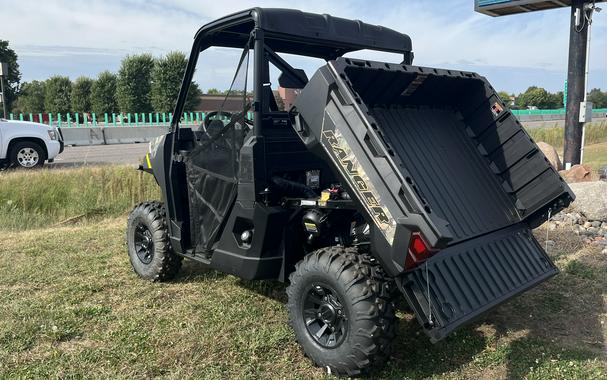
(435, 152)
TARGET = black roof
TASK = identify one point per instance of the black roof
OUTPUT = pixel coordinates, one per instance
(296, 32)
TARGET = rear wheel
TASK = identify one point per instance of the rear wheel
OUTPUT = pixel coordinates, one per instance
(341, 311)
(27, 155)
(148, 243)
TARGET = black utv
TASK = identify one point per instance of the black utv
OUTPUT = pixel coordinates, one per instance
(380, 179)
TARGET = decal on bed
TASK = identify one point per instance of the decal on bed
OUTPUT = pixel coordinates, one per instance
(340, 151)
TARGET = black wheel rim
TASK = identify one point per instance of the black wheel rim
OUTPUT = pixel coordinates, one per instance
(144, 244)
(324, 316)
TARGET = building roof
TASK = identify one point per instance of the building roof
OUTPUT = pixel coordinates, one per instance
(208, 103)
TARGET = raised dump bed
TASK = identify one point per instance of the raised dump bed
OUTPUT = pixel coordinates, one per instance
(436, 152)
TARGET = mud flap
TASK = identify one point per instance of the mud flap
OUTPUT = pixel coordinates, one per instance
(470, 278)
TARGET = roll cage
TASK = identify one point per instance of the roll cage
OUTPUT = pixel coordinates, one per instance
(272, 30)
(267, 32)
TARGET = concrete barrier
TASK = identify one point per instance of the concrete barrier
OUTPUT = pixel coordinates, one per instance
(83, 136)
(129, 135)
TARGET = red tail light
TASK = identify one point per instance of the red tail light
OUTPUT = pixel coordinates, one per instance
(419, 251)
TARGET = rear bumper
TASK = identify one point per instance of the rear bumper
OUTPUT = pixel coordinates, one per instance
(467, 279)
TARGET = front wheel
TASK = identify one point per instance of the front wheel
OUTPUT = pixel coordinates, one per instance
(148, 243)
(27, 155)
(340, 308)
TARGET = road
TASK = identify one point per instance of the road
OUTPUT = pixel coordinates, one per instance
(131, 154)
(126, 154)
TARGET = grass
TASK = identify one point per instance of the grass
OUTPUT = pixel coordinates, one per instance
(595, 133)
(46, 197)
(596, 155)
(70, 306)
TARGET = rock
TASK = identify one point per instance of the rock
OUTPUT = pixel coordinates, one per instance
(596, 224)
(604, 251)
(592, 230)
(591, 200)
(551, 154)
(577, 173)
(603, 173)
(587, 225)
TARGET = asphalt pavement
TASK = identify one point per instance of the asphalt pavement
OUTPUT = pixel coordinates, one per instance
(131, 154)
(119, 154)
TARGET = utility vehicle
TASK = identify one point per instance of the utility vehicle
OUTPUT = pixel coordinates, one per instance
(382, 179)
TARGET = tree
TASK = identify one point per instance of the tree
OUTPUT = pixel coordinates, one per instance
(134, 83)
(81, 94)
(166, 81)
(11, 81)
(57, 95)
(505, 97)
(558, 99)
(598, 98)
(103, 94)
(31, 98)
(213, 91)
(537, 97)
(193, 99)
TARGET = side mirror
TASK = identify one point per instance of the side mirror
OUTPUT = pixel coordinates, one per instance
(295, 79)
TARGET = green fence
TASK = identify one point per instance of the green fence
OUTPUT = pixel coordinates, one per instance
(560, 111)
(81, 120)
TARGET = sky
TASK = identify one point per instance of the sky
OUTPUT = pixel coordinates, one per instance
(76, 38)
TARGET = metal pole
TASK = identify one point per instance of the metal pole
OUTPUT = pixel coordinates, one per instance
(578, 39)
(3, 96)
(590, 12)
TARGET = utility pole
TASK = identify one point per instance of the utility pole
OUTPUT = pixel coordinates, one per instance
(578, 38)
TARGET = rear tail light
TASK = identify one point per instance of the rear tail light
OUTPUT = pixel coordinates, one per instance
(419, 251)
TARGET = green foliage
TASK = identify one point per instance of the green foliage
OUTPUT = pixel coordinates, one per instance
(214, 91)
(558, 99)
(81, 94)
(193, 99)
(11, 82)
(134, 83)
(31, 98)
(57, 95)
(540, 98)
(598, 98)
(505, 97)
(166, 81)
(103, 94)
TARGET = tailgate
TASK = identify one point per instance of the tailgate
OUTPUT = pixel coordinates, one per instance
(470, 278)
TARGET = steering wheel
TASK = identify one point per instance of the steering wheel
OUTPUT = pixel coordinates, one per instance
(212, 118)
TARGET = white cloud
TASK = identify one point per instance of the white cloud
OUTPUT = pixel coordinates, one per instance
(444, 33)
